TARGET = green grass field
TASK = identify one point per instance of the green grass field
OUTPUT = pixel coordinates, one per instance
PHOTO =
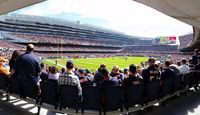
(93, 63)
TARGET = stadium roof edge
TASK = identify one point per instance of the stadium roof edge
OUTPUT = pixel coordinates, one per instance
(186, 11)
(7, 6)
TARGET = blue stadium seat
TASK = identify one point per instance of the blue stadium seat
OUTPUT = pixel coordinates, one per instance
(49, 93)
(152, 91)
(178, 82)
(3, 82)
(15, 86)
(167, 86)
(134, 95)
(69, 97)
(91, 98)
(113, 99)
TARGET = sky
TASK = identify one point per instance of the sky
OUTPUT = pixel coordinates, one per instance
(125, 16)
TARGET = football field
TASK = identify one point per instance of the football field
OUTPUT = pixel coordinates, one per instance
(93, 63)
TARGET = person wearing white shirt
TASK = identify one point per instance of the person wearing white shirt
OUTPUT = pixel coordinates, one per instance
(184, 68)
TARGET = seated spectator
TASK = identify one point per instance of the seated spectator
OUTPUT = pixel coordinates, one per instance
(195, 56)
(82, 78)
(98, 77)
(69, 78)
(3, 70)
(107, 81)
(191, 65)
(126, 73)
(184, 68)
(14, 57)
(134, 78)
(197, 68)
(54, 74)
(168, 72)
(43, 73)
(174, 67)
(89, 75)
(116, 75)
(151, 73)
(63, 70)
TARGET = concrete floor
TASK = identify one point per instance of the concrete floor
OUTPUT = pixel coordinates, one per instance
(182, 105)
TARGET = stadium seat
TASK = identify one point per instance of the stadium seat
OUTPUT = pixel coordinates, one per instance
(152, 91)
(69, 97)
(3, 82)
(187, 80)
(49, 93)
(134, 95)
(178, 82)
(113, 99)
(167, 86)
(15, 86)
(91, 98)
(30, 90)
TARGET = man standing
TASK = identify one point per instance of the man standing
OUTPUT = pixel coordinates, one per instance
(27, 66)
(69, 78)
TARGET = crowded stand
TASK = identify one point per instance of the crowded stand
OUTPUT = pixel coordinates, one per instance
(185, 40)
(114, 90)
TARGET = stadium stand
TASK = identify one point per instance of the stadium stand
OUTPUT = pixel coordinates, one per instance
(185, 40)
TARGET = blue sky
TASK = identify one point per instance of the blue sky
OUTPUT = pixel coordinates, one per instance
(125, 16)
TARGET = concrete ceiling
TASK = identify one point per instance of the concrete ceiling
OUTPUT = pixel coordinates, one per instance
(7, 6)
(187, 11)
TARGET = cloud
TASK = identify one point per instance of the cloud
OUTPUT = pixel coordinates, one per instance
(123, 15)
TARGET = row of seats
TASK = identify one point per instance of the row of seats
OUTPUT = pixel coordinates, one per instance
(96, 99)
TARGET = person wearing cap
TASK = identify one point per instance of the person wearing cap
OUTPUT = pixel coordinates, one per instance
(82, 78)
(184, 68)
(3, 70)
(195, 56)
(69, 77)
(27, 66)
(116, 75)
(134, 78)
(151, 73)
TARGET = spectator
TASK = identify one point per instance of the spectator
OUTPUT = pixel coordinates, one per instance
(116, 75)
(62, 70)
(43, 73)
(83, 79)
(167, 73)
(69, 78)
(126, 73)
(151, 73)
(98, 77)
(197, 68)
(27, 66)
(134, 78)
(14, 56)
(3, 70)
(89, 75)
(191, 65)
(107, 81)
(184, 68)
(174, 67)
(195, 56)
(54, 74)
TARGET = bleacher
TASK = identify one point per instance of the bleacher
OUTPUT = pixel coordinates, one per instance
(65, 98)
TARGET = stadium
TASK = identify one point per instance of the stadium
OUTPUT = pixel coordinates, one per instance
(92, 52)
